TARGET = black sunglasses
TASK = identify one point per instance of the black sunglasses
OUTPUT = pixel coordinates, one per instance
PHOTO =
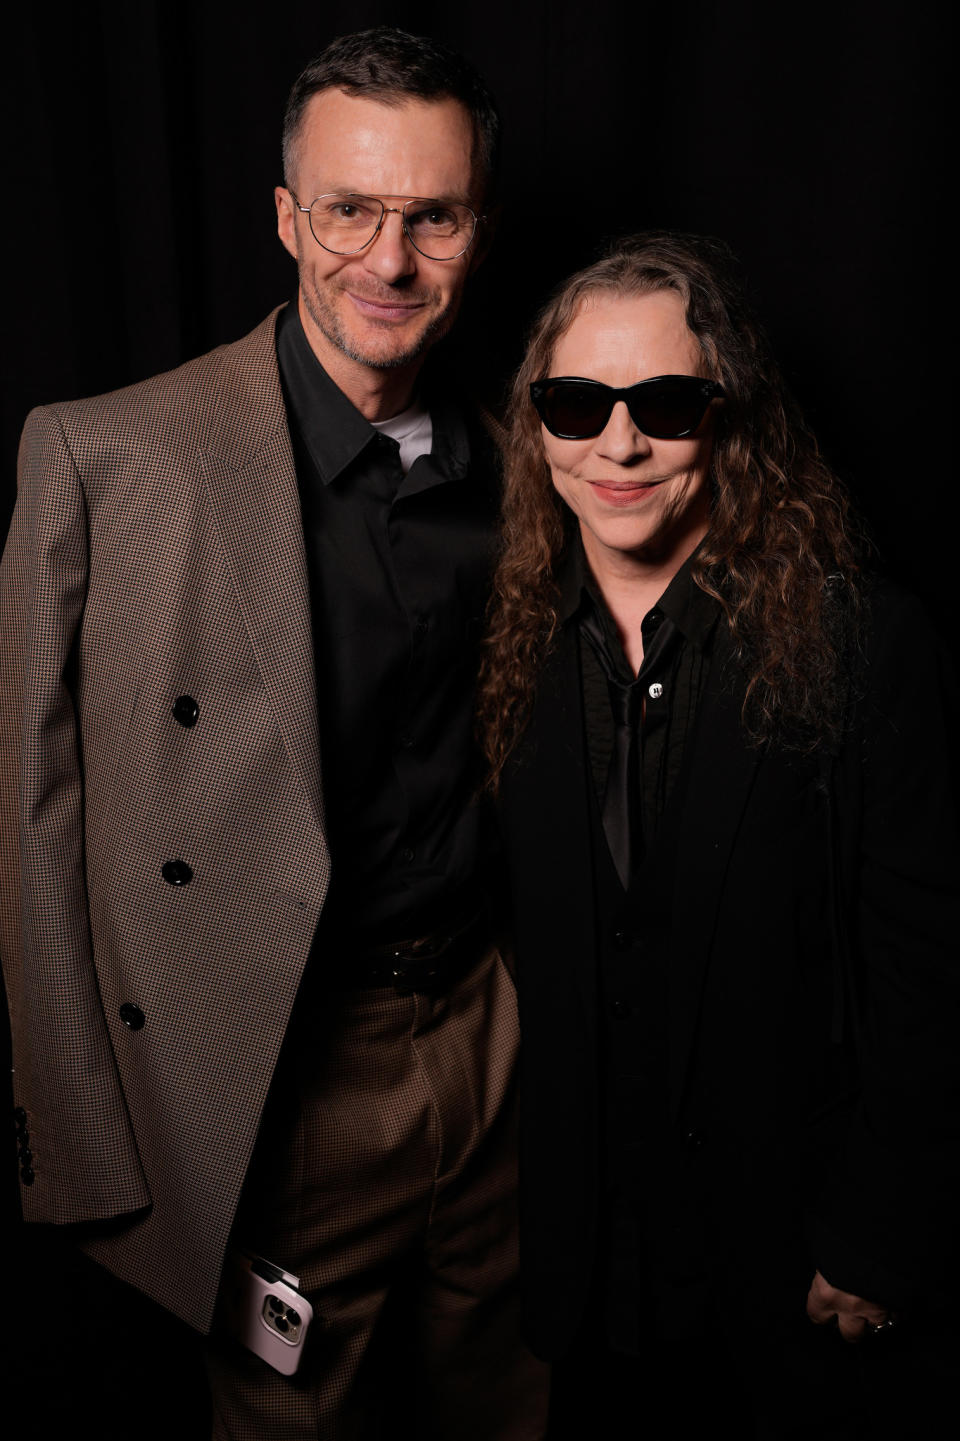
(667, 407)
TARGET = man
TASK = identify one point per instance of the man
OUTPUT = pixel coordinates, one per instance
(278, 553)
(733, 853)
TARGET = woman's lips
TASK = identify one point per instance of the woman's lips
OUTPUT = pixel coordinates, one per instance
(623, 493)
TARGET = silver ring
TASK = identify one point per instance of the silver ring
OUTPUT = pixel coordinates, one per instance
(883, 1325)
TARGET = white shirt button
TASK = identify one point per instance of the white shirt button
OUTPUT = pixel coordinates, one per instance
(655, 691)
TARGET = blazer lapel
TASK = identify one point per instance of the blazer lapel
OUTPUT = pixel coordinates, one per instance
(723, 770)
(256, 503)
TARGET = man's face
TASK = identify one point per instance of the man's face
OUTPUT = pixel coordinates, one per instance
(384, 306)
(636, 498)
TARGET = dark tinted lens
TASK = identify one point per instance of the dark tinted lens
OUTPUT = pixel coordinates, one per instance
(667, 409)
(575, 410)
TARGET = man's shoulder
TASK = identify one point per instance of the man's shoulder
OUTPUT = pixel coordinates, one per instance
(199, 399)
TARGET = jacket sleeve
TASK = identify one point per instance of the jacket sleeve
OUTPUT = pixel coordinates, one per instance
(886, 1229)
(81, 1158)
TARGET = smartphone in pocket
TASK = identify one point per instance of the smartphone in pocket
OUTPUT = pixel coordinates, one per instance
(260, 1305)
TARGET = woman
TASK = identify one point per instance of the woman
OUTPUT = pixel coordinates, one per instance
(733, 875)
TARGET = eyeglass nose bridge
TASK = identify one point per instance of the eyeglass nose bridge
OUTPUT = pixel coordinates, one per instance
(400, 210)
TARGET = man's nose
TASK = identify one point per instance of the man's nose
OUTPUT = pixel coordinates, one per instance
(620, 439)
(390, 255)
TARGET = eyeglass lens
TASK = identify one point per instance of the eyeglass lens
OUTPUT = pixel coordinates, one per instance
(345, 223)
(666, 408)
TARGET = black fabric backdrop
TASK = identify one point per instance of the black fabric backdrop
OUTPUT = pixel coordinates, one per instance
(142, 145)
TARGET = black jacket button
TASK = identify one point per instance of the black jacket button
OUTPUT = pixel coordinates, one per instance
(695, 1140)
(26, 1176)
(176, 873)
(622, 940)
(132, 1016)
(26, 1156)
(186, 710)
(20, 1116)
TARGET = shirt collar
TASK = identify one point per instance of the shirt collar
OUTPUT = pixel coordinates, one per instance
(691, 610)
(334, 431)
(332, 428)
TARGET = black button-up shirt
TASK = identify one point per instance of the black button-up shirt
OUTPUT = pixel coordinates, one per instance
(399, 569)
(676, 636)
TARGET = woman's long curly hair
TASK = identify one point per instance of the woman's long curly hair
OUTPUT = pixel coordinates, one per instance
(783, 552)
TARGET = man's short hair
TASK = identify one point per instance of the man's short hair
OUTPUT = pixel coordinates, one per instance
(392, 66)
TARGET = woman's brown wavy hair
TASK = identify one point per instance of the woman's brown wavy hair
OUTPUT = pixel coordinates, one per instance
(782, 555)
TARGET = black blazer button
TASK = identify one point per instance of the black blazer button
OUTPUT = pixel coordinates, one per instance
(622, 940)
(20, 1116)
(695, 1140)
(26, 1156)
(132, 1016)
(186, 710)
(176, 873)
(26, 1176)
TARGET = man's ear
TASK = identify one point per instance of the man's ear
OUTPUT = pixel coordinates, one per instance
(286, 219)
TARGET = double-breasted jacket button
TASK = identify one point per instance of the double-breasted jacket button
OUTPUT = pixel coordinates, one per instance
(186, 710)
(132, 1016)
(176, 873)
(19, 1116)
(695, 1139)
(620, 1009)
(622, 939)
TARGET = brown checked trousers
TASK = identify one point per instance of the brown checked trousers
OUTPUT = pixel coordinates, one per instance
(386, 1181)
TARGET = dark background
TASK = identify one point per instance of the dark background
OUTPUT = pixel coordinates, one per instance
(141, 148)
(143, 141)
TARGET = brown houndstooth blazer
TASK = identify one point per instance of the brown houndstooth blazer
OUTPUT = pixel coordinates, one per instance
(156, 551)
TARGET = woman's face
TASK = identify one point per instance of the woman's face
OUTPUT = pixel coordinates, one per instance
(637, 499)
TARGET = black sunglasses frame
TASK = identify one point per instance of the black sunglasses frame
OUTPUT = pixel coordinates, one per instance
(634, 397)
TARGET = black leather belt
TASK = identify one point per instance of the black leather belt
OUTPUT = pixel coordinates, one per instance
(423, 964)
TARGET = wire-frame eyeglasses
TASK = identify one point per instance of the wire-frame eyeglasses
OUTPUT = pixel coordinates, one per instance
(345, 224)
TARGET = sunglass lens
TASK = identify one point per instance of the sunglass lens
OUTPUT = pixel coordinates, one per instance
(576, 411)
(668, 409)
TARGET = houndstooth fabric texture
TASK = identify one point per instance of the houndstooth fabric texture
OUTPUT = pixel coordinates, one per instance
(156, 551)
(386, 1180)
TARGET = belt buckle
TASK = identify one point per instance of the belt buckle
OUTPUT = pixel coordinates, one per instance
(412, 964)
